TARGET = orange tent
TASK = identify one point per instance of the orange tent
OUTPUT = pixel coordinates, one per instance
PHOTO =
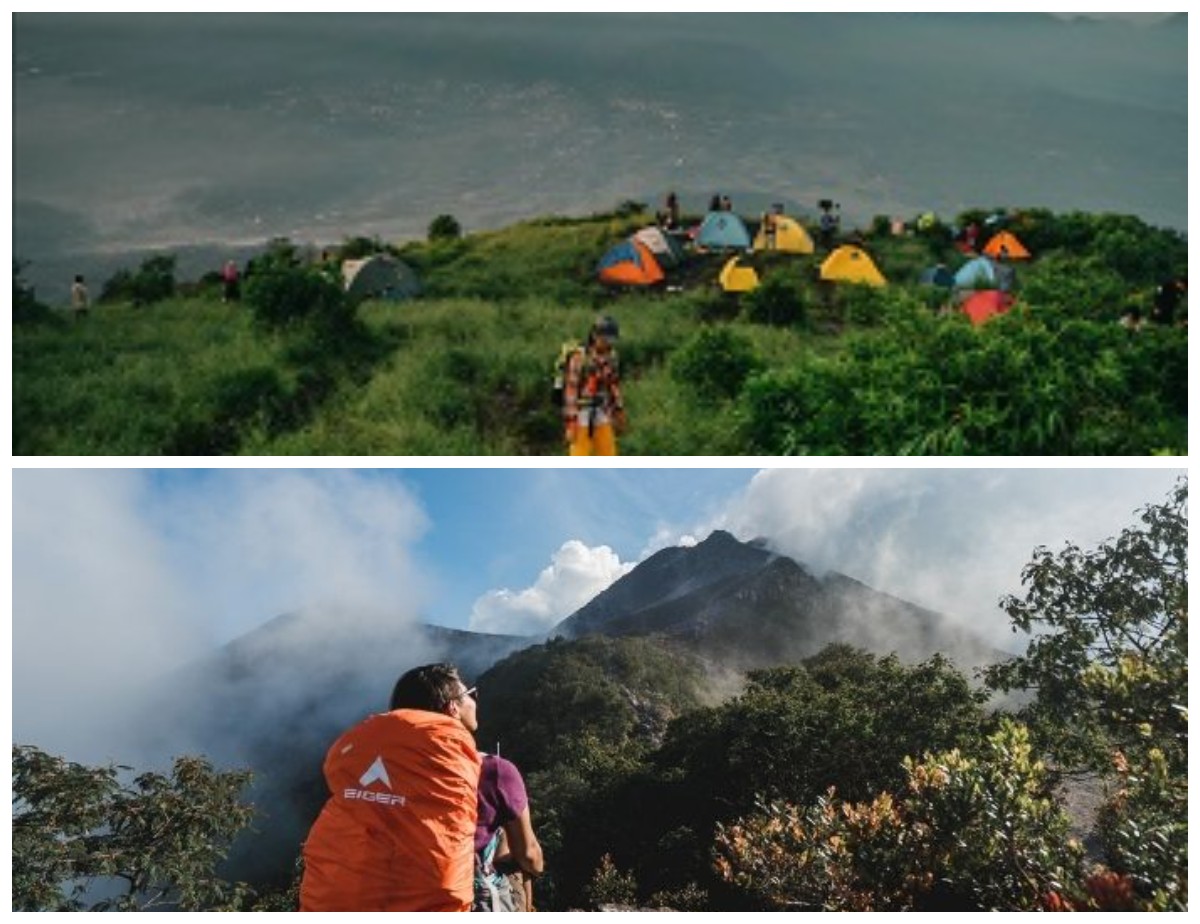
(398, 831)
(985, 305)
(630, 263)
(1006, 244)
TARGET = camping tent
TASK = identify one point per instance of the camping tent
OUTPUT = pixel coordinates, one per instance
(1005, 243)
(380, 276)
(851, 264)
(665, 248)
(630, 263)
(790, 237)
(723, 231)
(736, 278)
(979, 273)
(938, 276)
(985, 305)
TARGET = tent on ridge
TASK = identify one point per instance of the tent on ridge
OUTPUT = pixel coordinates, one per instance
(790, 237)
(979, 273)
(723, 231)
(851, 264)
(665, 248)
(938, 276)
(985, 305)
(1006, 243)
(630, 263)
(735, 278)
(381, 276)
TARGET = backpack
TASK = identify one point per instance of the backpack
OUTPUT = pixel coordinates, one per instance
(565, 352)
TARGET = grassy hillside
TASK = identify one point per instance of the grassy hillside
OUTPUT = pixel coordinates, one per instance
(796, 368)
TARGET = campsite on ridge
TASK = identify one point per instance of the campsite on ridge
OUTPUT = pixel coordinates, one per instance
(898, 338)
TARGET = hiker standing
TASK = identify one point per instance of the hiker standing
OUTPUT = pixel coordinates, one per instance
(768, 229)
(1166, 300)
(672, 211)
(505, 846)
(593, 409)
(398, 830)
(81, 301)
(229, 280)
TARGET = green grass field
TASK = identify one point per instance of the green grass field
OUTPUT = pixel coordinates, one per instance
(799, 368)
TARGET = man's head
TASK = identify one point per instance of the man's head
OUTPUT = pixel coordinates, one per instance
(436, 688)
(605, 333)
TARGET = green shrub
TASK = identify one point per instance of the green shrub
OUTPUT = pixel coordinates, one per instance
(280, 294)
(445, 228)
(778, 300)
(715, 364)
(153, 282)
(963, 834)
(26, 308)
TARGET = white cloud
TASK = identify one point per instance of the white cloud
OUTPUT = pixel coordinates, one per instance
(575, 575)
(274, 542)
(952, 540)
(121, 576)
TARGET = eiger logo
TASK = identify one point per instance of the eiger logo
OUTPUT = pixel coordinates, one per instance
(376, 773)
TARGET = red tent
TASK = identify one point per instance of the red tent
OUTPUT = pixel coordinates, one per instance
(982, 306)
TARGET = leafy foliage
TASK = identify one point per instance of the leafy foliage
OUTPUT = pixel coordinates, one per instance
(25, 307)
(282, 291)
(715, 363)
(964, 834)
(1108, 660)
(154, 281)
(845, 716)
(83, 839)
(1108, 648)
(445, 228)
(779, 299)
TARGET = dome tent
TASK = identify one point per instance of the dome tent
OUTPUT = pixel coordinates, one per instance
(851, 264)
(790, 237)
(735, 278)
(380, 276)
(723, 231)
(629, 263)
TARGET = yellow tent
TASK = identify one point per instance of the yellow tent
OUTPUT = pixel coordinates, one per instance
(851, 264)
(790, 237)
(736, 278)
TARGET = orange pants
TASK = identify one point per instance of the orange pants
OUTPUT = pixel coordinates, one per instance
(600, 442)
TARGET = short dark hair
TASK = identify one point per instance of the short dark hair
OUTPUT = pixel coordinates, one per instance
(431, 687)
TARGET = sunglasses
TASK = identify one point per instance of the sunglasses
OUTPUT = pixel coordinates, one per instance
(473, 693)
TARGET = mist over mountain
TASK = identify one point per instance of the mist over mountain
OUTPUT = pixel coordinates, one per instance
(274, 699)
(744, 606)
(180, 130)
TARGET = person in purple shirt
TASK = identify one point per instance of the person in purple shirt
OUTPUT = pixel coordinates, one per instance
(504, 838)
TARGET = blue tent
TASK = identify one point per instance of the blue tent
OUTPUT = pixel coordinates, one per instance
(723, 231)
(979, 273)
(938, 276)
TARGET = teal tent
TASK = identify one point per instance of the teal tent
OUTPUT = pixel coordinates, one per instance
(979, 273)
(723, 231)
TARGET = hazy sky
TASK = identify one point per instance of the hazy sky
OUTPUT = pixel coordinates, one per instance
(120, 574)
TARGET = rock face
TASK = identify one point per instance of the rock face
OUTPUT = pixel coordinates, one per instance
(742, 605)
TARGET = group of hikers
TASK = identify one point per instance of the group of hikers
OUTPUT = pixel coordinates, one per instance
(417, 819)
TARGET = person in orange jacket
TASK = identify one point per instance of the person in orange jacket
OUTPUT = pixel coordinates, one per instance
(593, 408)
(397, 833)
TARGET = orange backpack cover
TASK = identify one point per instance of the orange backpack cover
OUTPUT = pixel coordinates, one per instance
(397, 832)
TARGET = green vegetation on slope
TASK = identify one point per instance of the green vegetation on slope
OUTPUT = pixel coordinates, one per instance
(796, 368)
